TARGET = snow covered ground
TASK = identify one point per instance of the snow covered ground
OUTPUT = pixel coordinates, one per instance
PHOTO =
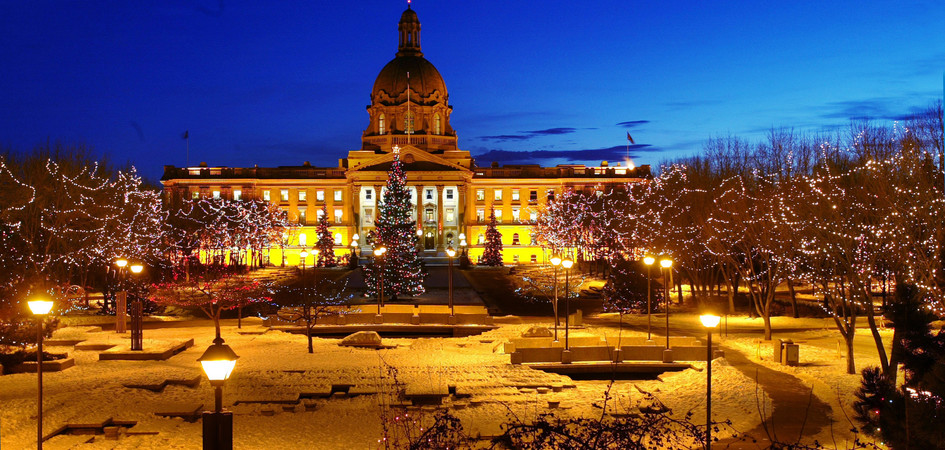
(276, 366)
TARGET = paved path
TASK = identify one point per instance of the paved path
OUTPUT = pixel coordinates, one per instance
(796, 412)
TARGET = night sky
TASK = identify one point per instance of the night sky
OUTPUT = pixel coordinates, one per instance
(279, 83)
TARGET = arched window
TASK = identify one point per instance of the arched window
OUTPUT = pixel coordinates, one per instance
(482, 239)
(515, 239)
(408, 122)
(436, 124)
(534, 259)
(337, 238)
(381, 128)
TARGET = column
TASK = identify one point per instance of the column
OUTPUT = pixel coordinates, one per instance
(354, 209)
(439, 218)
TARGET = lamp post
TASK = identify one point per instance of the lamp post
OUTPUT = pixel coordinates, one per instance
(121, 297)
(379, 263)
(137, 313)
(450, 252)
(555, 262)
(218, 362)
(666, 263)
(40, 307)
(567, 263)
(709, 321)
(649, 260)
(420, 239)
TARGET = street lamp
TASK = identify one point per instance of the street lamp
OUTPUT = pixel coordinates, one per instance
(40, 307)
(709, 321)
(451, 253)
(649, 260)
(218, 362)
(121, 297)
(555, 262)
(666, 263)
(137, 313)
(379, 263)
(567, 263)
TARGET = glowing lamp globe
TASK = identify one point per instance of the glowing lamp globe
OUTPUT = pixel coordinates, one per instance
(355, 237)
(462, 236)
(315, 252)
(40, 307)
(303, 254)
(451, 252)
(567, 263)
(136, 268)
(555, 260)
(419, 232)
(649, 260)
(666, 263)
(462, 242)
(121, 263)
(710, 320)
(354, 243)
(218, 361)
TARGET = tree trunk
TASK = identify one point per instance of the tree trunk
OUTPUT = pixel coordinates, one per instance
(793, 298)
(239, 316)
(892, 369)
(851, 364)
(880, 348)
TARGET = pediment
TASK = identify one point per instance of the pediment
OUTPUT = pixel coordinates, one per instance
(414, 160)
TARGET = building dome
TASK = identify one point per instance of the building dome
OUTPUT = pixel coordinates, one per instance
(425, 80)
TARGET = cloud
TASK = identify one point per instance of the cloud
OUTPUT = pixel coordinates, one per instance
(632, 123)
(880, 108)
(525, 135)
(571, 156)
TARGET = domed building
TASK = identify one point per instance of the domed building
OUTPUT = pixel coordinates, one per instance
(409, 115)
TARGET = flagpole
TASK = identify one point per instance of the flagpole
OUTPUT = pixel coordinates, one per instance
(407, 125)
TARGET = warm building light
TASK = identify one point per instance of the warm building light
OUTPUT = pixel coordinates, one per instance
(710, 320)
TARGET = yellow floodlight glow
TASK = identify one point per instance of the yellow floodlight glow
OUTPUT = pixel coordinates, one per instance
(710, 320)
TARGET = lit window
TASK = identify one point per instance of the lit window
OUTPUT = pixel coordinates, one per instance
(436, 124)
(515, 259)
(515, 240)
(515, 195)
(498, 216)
(532, 216)
(531, 239)
(498, 194)
(338, 194)
(302, 239)
(216, 194)
(515, 214)
(534, 259)
(449, 194)
(302, 217)
(408, 122)
(303, 194)
(429, 215)
(368, 216)
(266, 196)
(429, 194)
(284, 195)
(195, 195)
(319, 195)
(337, 238)
(533, 196)
(319, 214)
(368, 193)
(237, 194)
(551, 194)
(381, 129)
(481, 240)
(480, 194)
(449, 214)
(480, 215)
(338, 215)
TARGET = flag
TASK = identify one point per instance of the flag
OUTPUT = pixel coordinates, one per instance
(630, 138)
(187, 135)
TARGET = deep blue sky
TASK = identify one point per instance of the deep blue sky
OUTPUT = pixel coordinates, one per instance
(278, 83)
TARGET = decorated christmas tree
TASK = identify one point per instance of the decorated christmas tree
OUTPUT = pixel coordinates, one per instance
(401, 266)
(325, 243)
(492, 256)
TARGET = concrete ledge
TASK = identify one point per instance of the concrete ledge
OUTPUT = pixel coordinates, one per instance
(146, 355)
(57, 365)
(607, 369)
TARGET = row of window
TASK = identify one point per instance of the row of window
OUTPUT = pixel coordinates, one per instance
(339, 215)
(516, 215)
(516, 195)
(283, 195)
(481, 240)
(409, 123)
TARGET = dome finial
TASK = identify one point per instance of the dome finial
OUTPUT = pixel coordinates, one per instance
(408, 4)
(409, 30)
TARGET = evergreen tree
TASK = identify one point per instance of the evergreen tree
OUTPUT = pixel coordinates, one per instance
(625, 290)
(402, 268)
(325, 243)
(492, 256)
